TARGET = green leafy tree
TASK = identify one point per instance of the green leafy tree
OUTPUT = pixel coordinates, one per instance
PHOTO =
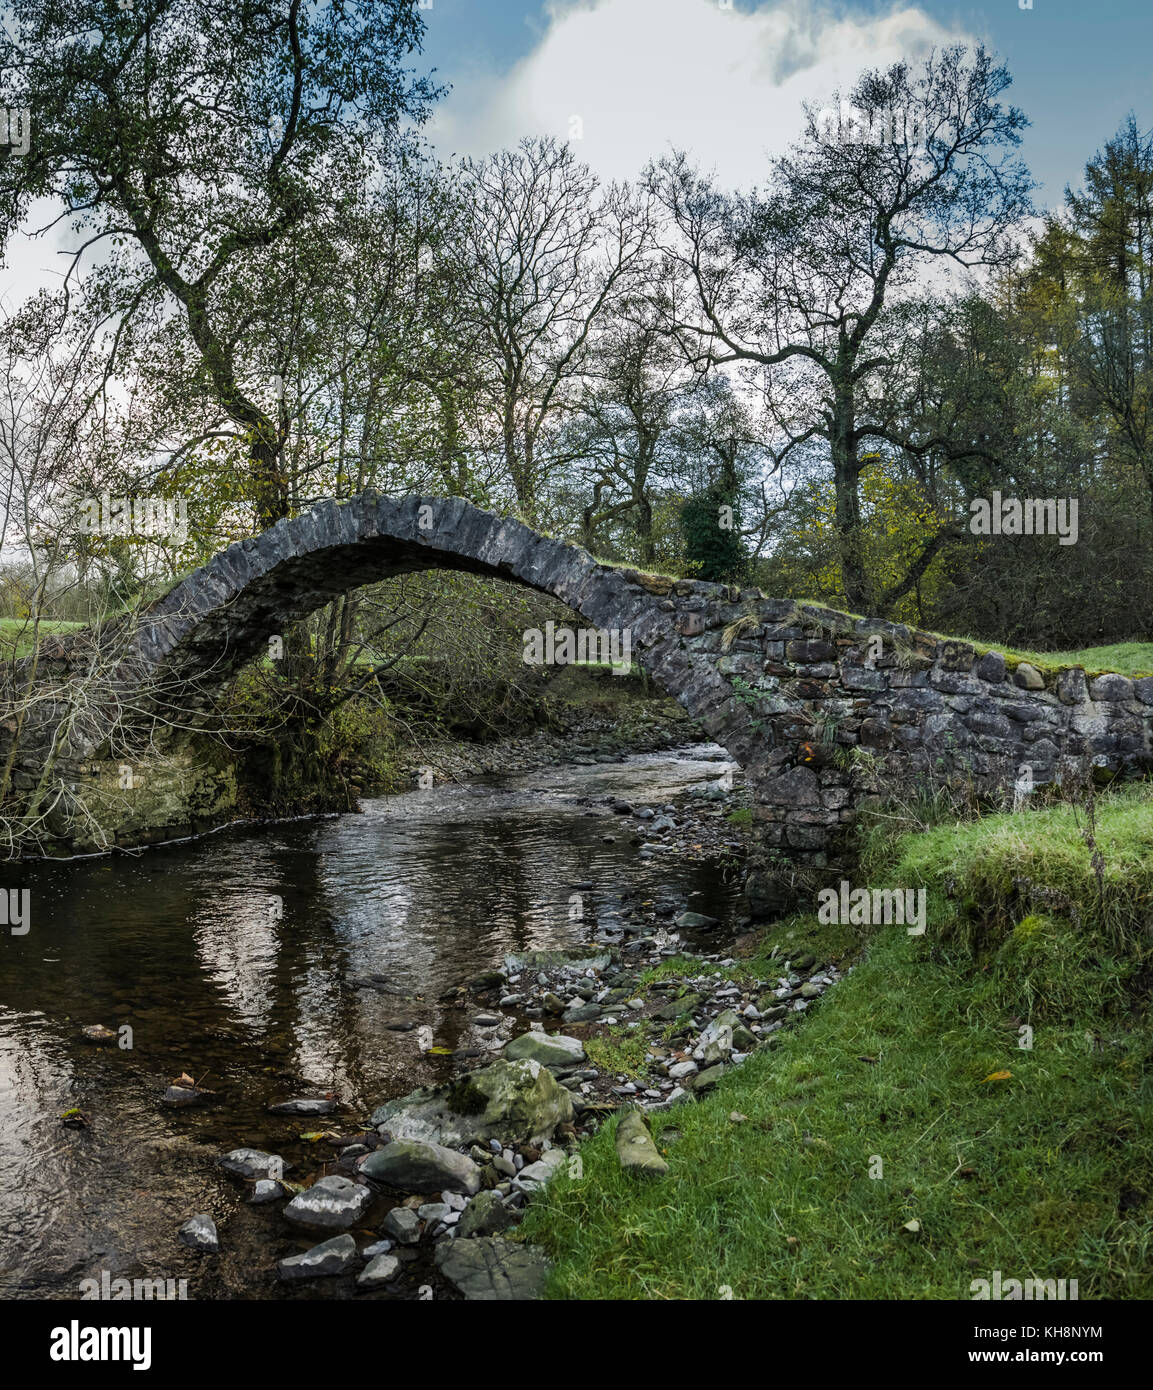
(183, 139)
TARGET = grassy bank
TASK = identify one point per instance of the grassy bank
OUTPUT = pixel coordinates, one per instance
(902, 1142)
(16, 634)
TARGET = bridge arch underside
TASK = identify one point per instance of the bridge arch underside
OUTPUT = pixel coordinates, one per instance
(820, 709)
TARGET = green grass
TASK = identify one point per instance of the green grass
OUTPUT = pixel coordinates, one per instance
(984, 874)
(622, 1051)
(17, 633)
(1125, 658)
(1047, 1173)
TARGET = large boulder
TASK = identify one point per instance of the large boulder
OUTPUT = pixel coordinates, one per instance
(515, 1102)
(489, 1269)
(412, 1166)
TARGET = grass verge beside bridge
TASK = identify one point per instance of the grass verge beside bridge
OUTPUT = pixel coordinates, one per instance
(1036, 1161)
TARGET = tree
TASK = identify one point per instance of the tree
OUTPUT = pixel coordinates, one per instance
(621, 434)
(544, 255)
(185, 139)
(800, 280)
(1111, 219)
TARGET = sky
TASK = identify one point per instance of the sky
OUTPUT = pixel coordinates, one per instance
(725, 78)
(627, 80)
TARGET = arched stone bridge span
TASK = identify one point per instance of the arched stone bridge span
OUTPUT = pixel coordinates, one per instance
(819, 708)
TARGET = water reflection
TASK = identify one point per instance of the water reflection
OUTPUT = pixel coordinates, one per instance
(236, 959)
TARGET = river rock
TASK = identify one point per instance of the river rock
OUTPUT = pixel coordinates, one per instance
(687, 1004)
(403, 1224)
(485, 1215)
(184, 1095)
(489, 1269)
(253, 1163)
(332, 1204)
(718, 1048)
(97, 1033)
(553, 1050)
(335, 1256)
(582, 1013)
(199, 1232)
(304, 1106)
(380, 1270)
(707, 1079)
(635, 1147)
(533, 1176)
(518, 1101)
(696, 921)
(413, 1166)
(266, 1190)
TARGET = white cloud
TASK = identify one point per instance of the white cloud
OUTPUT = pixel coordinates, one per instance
(34, 264)
(644, 76)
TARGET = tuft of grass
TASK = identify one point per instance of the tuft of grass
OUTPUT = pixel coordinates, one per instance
(622, 1051)
(984, 875)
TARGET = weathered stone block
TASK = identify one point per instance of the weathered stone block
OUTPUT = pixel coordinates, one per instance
(806, 652)
(861, 677)
(991, 668)
(956, 656)
(1111, 687)
(797, 787)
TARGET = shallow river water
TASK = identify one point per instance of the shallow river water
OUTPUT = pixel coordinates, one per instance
(234, 959)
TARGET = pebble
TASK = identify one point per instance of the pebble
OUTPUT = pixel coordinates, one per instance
(403, 1224)
(199, 1232)
(382, 1269)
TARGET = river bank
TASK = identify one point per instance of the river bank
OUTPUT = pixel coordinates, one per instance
(966, 1108)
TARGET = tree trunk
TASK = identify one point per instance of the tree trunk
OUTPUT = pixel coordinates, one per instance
(846, 475)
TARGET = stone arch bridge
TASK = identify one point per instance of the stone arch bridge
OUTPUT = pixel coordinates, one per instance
(820, 709)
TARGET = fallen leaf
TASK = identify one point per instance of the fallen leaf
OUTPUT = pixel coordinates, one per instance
(914, 1226)
(998, 1076)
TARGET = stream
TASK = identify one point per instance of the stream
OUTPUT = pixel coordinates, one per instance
(235, 959)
